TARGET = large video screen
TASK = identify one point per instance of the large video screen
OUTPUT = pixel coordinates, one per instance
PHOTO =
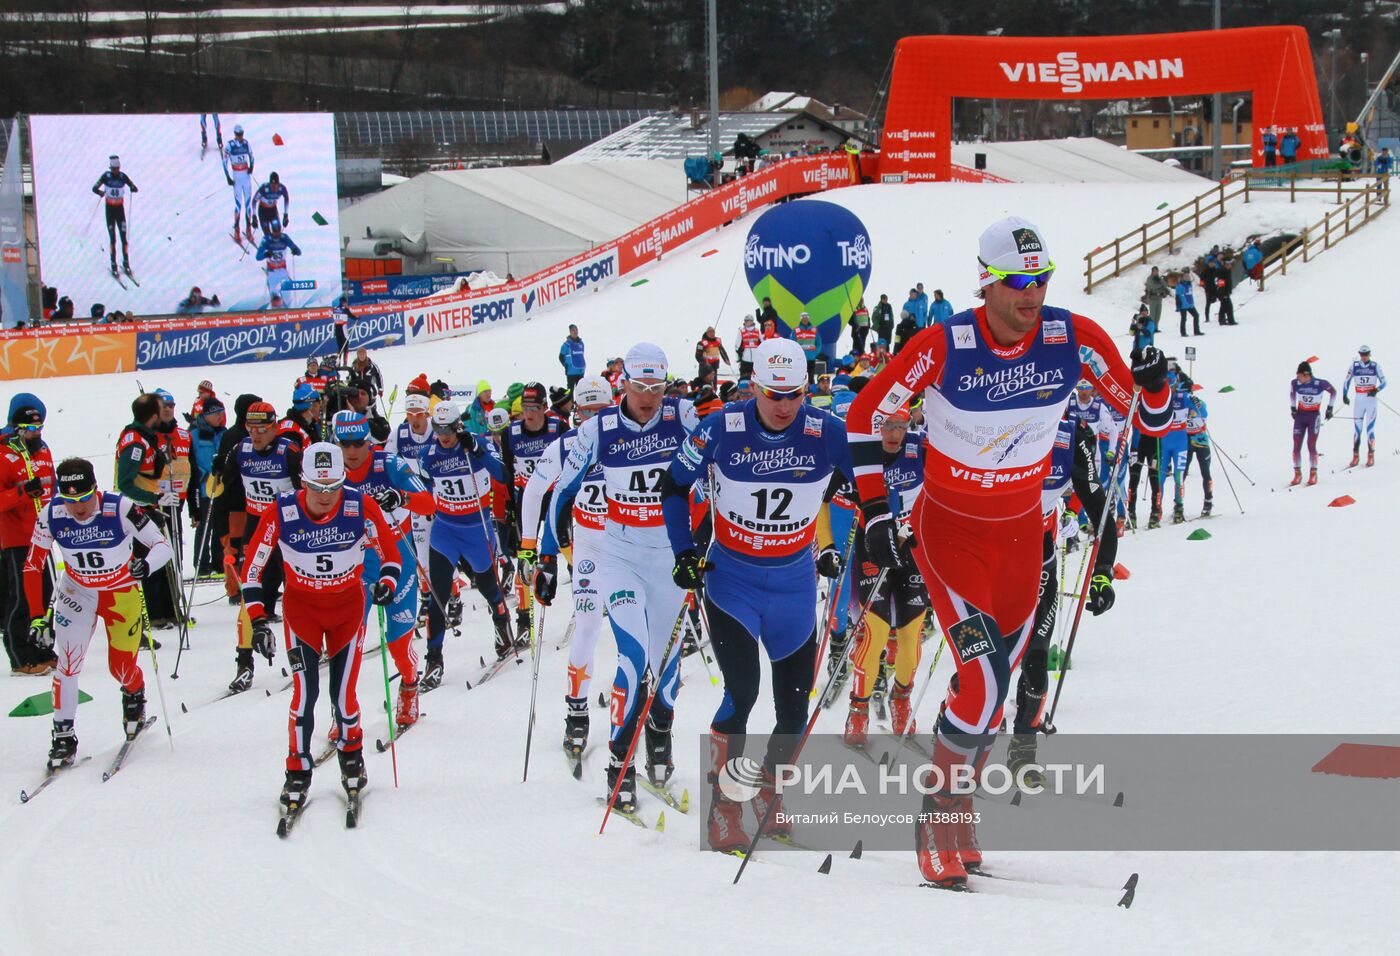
(135, 212)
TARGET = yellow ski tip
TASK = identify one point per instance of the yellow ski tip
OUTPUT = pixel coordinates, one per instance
(685, 801)
(661, 822)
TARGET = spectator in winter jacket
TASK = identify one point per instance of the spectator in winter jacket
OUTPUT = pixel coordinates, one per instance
(1186, 302)
(1154, 290)
(882, 321)
(806, 336)
(709, 352)
(26, 485)
(770, 329)
(140, 463)
(480, 407)
(860, 327)
(1224, 286)
(1143, 327)
(366, 375)
(1253, 260)
(917, 306)
(206, 433)
(940, 309)
(908, 326)
(768, 313)
(571, 357)
(1269, 141)
(748, 340)
(1288, 147)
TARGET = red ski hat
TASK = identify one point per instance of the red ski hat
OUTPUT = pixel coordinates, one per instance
(419, 386)
(261, 413)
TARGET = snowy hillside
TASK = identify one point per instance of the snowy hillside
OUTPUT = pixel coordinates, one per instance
(1278, 623)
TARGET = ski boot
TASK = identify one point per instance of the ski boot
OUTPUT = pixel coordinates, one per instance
(881, 690)
(244, 678)
(126, 265)
(726, 824)
(1205, 509)
(838, 663)
(522, 629)
(423, 599)
(505, 642)
(1120, 526)
(65, 745)
(969, 853)
(1154, 520)
(626, 793)
(352, 770)
(1298, 475)
(857, 733)
(576, 725)
(294, 787)
(133, 712)
(936, 843)
(1355, 457)
(406, 713)
(1312, 476)
(249, 232)
(1020, 760)
(900, 707)
(1370, 456)
(1178, 513)
(432, 671)
(768, 797)
(454, 612)
(114, 268)
(150, 643)
(659, 764)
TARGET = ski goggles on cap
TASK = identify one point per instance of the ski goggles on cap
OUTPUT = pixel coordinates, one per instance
(1021, 280)
(655, 388)
(326, 487)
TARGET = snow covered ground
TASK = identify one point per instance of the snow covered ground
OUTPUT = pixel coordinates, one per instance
(1276, 624)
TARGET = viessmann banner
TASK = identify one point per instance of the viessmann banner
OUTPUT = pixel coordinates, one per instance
(1273, 64)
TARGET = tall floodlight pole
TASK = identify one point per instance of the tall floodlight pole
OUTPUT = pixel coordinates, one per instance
(1217, 106)
(712, 18)
(1333, 35)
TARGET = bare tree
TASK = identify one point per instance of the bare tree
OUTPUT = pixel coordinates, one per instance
(408, 33)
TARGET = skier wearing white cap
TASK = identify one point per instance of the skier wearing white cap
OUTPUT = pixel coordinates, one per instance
(237, 158)
(322, 533)
(592, 394)
(410, 440)
(996, 380)
(459, 467)
(634, 442)
(1368, 378)
(772, 458)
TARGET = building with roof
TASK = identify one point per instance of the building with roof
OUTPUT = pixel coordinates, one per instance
(510, 220)
(674, 136)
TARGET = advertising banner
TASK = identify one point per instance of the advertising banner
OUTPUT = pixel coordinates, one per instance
(1273, 64)
(50, 352)
(397, 288)
(135, 211)
(299, 335)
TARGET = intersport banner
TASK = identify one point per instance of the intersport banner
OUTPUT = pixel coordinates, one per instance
(1273, 64)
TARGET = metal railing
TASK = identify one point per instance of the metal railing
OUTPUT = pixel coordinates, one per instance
(1337, 225)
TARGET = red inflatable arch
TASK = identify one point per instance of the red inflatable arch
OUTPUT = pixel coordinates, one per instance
(1273, 63)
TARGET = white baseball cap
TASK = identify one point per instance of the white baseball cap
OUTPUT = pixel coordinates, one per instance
(645, 360)
(780, 364)
(592, 390)
(417, 403)
(1011, 245)
(323, 466)
(446, 415)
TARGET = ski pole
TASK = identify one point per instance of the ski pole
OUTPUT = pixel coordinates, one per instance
(1386, 404)
(1227, 473)
(829, 618)
(537, 650)
(1084, 585)
(806, 734)
(485, 527)
(1232, 461)
(705, 623)
(155, 664)
(646, 709)
(388, 703)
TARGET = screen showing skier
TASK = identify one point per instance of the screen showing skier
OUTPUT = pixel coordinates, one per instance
(186, 214)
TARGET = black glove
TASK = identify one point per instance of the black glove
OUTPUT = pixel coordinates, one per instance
(1150, 369)
(41, 633)
(1328, 416)
(882, 537)
(467, 440)
(263, 641)
(689, 570)
(829, 563)
(382, 592)
(285, 219)
(229, 180)
(546, 578)
(1293, 412)
(1346, 400)
(390, 499)
(1100, 594)
(137, 567)
(34, 488)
